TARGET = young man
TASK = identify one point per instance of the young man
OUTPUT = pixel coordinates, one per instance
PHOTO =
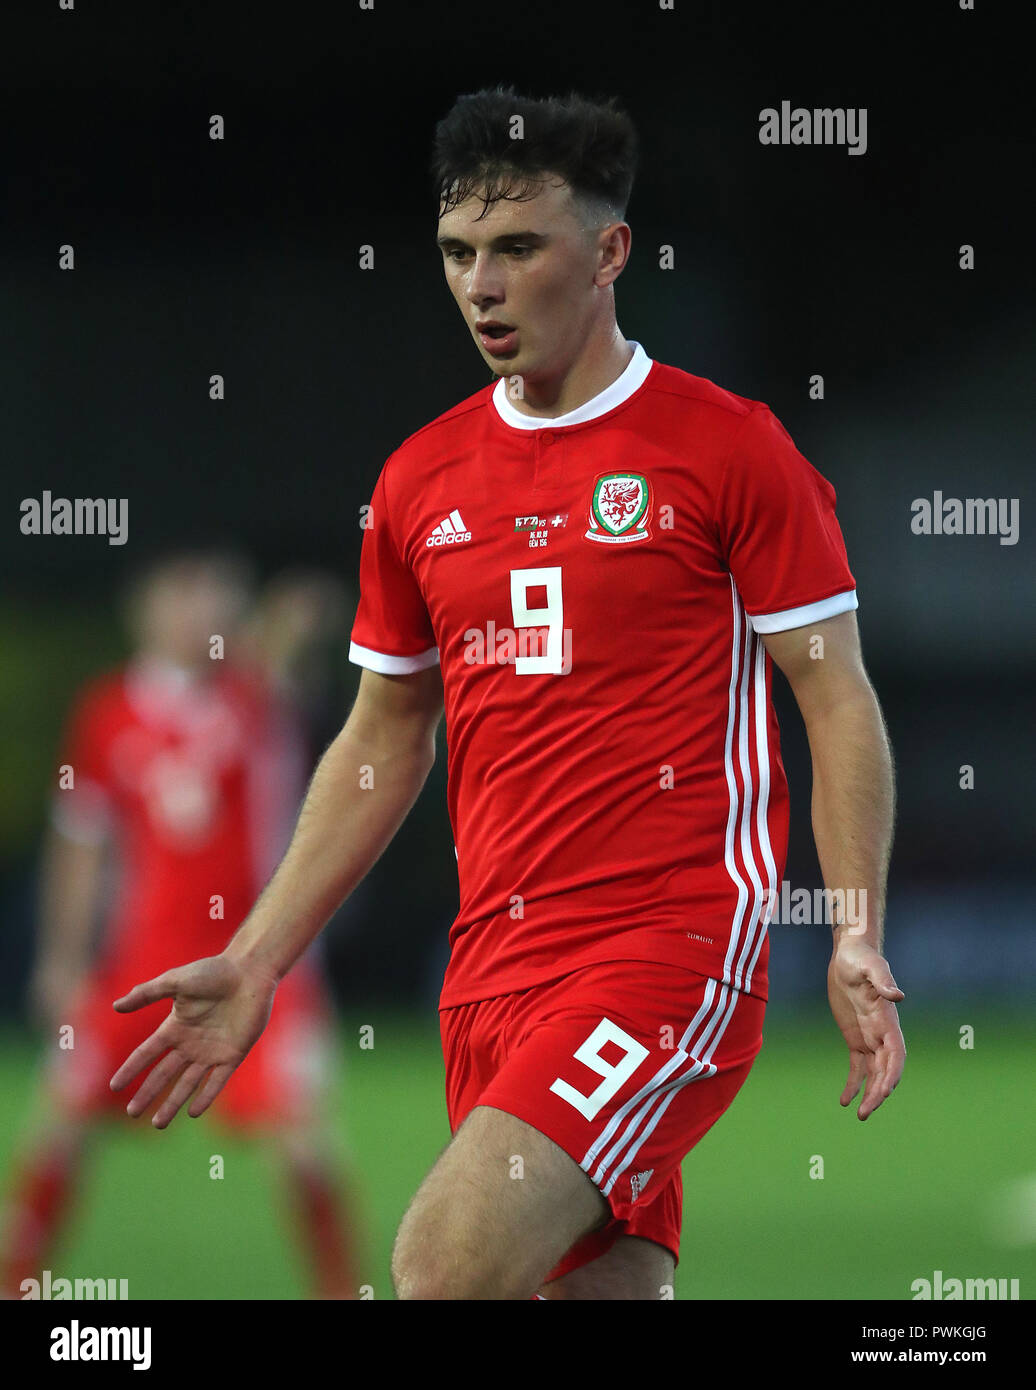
(186, 775)
(590, 561)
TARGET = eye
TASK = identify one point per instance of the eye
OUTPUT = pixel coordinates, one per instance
(518, 250)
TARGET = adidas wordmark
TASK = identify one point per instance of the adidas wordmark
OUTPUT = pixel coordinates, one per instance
(450, 531)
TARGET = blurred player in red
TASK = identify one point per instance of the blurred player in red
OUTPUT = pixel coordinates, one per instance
(186, 766)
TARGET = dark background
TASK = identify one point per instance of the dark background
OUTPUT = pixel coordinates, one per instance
(240, 257)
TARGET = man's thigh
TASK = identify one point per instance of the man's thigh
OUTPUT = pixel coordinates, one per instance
(622, 1067)
(497, 1212)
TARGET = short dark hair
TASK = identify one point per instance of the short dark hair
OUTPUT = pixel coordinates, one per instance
(175, 561)
(591, 144)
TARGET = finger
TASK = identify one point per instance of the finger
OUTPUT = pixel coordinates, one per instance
(893, 1060)
(161, 987)
(886, 1069)
(872, 1088)
(183, 1090)
(218, 1078)
(897, 1061)
(155, 1082)
(852, 1085)
(148, 1051)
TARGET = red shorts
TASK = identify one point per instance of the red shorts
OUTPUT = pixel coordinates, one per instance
(279, 1081)
(624, 1065)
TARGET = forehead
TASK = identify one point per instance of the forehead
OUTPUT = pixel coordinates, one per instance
(549, 205)
(185, 582)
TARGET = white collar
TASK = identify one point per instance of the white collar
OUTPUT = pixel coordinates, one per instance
(631, 379)
(155, 686)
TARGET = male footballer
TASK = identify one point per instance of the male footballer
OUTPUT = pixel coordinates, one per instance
(592, 565)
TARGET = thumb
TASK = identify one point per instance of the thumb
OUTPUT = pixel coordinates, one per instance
(880, 977)
(161, 987)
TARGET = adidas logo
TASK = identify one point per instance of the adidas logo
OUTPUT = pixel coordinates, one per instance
(450, 531)
(639, 1181)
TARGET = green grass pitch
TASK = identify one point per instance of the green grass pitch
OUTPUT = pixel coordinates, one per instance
(941, 1177)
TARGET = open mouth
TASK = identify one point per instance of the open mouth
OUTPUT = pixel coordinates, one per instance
(498, 339)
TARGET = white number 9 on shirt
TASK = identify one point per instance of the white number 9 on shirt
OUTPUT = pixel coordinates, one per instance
(615, 1075)
(551, 617)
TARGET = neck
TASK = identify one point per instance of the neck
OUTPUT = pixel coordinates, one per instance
(603, 358)
(154, 661)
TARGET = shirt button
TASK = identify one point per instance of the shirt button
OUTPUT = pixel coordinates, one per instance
(546, 437)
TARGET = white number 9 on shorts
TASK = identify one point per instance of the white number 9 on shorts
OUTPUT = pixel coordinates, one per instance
(615, 1075)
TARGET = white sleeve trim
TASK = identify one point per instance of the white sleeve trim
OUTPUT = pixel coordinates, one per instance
(388, 665)
(808, 613)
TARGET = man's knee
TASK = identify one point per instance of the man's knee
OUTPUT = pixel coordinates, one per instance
(430, 1261)
(634, 1268)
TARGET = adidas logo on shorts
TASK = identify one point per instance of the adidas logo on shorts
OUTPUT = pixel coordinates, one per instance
(639, 1181)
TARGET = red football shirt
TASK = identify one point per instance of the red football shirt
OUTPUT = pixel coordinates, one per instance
(593, 587)
(195, 783)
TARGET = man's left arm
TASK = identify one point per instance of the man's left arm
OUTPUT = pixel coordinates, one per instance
(853, 809)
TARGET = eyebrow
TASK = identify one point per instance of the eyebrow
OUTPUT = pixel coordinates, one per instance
(504, 239)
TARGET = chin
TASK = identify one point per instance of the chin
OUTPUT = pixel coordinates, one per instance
(503, 366)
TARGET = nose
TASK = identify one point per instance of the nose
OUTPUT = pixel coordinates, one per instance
(483, 284)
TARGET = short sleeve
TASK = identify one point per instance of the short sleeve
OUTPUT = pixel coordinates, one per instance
(83, 810)
(392, 632)
(775, 516)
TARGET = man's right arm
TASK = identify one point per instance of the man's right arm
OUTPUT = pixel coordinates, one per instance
(360, 794)
(71, 882)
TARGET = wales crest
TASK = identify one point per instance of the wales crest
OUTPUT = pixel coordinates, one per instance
(620, 508)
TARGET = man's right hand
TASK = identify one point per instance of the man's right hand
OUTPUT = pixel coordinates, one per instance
(220, 1007)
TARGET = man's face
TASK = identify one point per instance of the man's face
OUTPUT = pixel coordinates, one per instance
(184, 606)
(528, 267)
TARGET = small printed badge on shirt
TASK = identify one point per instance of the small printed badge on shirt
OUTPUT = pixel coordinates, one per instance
(620, 508)
(540, 527)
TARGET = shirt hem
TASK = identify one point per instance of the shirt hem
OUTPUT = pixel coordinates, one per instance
(454, 996)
